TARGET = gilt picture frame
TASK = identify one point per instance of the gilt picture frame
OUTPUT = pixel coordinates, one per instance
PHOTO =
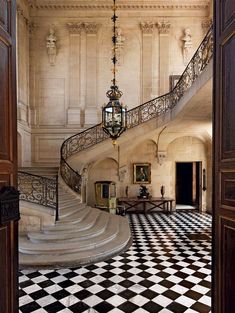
(142, 173)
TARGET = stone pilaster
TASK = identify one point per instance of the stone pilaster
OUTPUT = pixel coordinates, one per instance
(22, 66)
(147, 51)
(164, 55)
(74, 110)
(91, 105)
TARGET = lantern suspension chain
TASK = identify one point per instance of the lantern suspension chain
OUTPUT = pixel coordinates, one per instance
(114, 40)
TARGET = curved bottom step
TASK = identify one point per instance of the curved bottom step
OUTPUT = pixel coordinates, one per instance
(84, 235)
(82, 258)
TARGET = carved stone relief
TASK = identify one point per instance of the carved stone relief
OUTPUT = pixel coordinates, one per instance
(91, 28)
(147, 27)
(187, 45)
(51, 46)
(206, 24)
(75, 28)
(164, 27)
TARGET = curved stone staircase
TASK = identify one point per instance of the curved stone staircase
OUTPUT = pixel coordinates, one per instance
(86, 235)
(83, 235)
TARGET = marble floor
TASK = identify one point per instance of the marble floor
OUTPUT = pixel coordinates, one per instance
(164, 271)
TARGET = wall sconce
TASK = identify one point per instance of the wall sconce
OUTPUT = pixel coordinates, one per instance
(204, 179)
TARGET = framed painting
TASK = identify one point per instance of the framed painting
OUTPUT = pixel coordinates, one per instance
(141, 173)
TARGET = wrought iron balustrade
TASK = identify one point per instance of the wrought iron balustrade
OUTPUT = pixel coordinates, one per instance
(40, 190)
(139, 114)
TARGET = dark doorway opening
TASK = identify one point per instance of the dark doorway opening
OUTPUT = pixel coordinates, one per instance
(188, 182)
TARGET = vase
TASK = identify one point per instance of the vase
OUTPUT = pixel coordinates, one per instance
(162, 191)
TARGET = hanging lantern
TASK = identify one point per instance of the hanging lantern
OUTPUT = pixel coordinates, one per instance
(114, 114)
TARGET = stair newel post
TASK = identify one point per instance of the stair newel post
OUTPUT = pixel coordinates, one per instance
(57, 200)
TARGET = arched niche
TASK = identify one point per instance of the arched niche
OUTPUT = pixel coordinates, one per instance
(184, 149)
(142, 152)
(106, 169)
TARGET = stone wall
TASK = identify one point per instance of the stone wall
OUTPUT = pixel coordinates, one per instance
(62, 88)
(174, 148)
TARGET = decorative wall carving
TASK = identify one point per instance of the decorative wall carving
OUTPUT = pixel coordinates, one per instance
(164, 27)
(51, 46)
(147, 27)
(32, 26)
(21, 13)
(103, 5)
(91, 28)
(206, 25)
(75, 28)
(161, 157)
(187, 44)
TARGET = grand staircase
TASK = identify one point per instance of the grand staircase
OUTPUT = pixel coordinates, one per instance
(82, 235)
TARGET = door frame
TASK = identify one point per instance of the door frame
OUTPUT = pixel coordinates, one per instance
(200, 181)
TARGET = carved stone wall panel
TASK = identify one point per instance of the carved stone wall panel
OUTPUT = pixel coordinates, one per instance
(52, 102)
(47, 148)
(228, 99)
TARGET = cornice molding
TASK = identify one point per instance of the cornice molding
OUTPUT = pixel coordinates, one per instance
(21, 13)
(135, 5)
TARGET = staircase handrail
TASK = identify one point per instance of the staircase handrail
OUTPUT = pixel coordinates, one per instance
(39, 190)
(138, 115)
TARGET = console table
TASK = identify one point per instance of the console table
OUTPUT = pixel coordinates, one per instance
(146, 205)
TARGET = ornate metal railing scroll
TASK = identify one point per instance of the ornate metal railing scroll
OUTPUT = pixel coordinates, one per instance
(137, 115)
(40, 190)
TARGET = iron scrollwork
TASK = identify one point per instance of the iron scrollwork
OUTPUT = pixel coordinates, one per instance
(137, 115)
(71, 178)
(38, 189)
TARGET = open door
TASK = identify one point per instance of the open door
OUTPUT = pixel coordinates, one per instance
(224, 159)
(189, 184)
(9, 198)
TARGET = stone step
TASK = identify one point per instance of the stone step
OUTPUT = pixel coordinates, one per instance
(95, 229)
(89, 256)
(82, 224)
(66, 204)
(71, 210)
(78, 216)
(28, 247)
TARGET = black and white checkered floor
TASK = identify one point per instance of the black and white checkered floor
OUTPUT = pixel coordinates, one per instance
(164, 271)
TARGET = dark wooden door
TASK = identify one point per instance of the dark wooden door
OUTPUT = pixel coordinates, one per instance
(224, 159)
(9, 207)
